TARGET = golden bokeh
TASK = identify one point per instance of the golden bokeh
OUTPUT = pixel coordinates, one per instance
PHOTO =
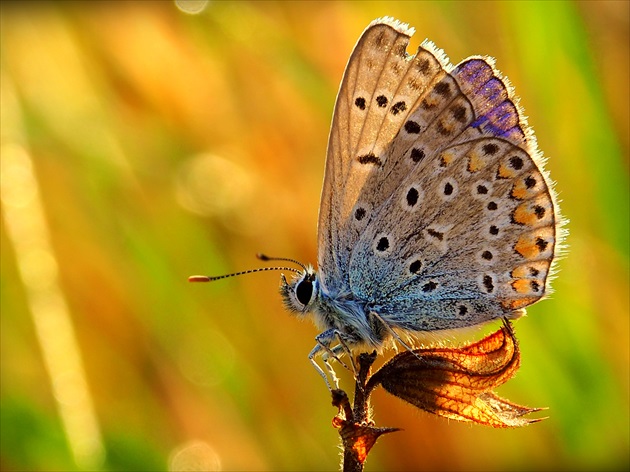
(142, 142)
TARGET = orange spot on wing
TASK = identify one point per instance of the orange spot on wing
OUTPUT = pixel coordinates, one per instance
(475, 162)
(521, 286)
(447, 157)
(506, 172)
(520, 190)
(517, 303)
(536, 269)
(526, 246)
(520, 271)
(525, 215)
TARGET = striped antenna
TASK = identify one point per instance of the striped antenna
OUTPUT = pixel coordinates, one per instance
(262, 257)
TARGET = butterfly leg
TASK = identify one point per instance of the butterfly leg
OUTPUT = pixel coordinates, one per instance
(324, 349)
(343, 346)
(311, 357)
(395, 335)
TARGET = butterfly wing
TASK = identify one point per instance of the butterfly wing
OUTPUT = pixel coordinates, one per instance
(364, 118)
(435, 208)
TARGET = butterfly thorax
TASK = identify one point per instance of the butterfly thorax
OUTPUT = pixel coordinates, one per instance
(344, 312)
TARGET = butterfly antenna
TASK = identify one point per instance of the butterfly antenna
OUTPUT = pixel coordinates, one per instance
(262, 257)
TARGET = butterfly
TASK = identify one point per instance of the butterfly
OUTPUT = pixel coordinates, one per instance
(436, 213)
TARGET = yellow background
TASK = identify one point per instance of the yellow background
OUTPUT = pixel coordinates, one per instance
(165, 144)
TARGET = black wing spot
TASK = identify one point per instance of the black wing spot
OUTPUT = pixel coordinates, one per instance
(398, 107)
(436, 234)
(482, 189)
(490, 149)
(459, 113)
(487, 255)
(381, 100)
(360, 103)
(383, 244)
(516, 162)
(530, 182)
(369, 159)
(412, 127)
(492, 206)
(487, 283)
(412, 196)
(359, 213)
(417, 155)
(443, 89)
(429, 286)
(415, 266)
(540, 211)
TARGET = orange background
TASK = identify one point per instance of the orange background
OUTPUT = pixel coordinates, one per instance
(142, 144)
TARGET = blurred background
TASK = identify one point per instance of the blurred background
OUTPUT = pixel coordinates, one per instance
(143, 142)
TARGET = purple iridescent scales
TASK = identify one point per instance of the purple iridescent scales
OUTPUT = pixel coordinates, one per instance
(496, 113)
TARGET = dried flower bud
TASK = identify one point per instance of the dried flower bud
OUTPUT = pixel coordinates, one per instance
(456, 383)
(357, 437)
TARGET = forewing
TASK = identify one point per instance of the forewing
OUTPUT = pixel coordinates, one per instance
(380, 86)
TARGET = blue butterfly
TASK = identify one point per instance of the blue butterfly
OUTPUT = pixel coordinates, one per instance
(436, 213)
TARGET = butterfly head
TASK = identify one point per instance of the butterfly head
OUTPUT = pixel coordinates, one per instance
(300, 293)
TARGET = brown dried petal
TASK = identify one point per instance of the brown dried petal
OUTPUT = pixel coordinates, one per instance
(457, 382)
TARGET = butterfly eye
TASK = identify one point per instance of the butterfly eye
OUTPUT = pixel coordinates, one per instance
(304, 291)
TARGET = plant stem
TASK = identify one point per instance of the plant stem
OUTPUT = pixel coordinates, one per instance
(356, 429)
